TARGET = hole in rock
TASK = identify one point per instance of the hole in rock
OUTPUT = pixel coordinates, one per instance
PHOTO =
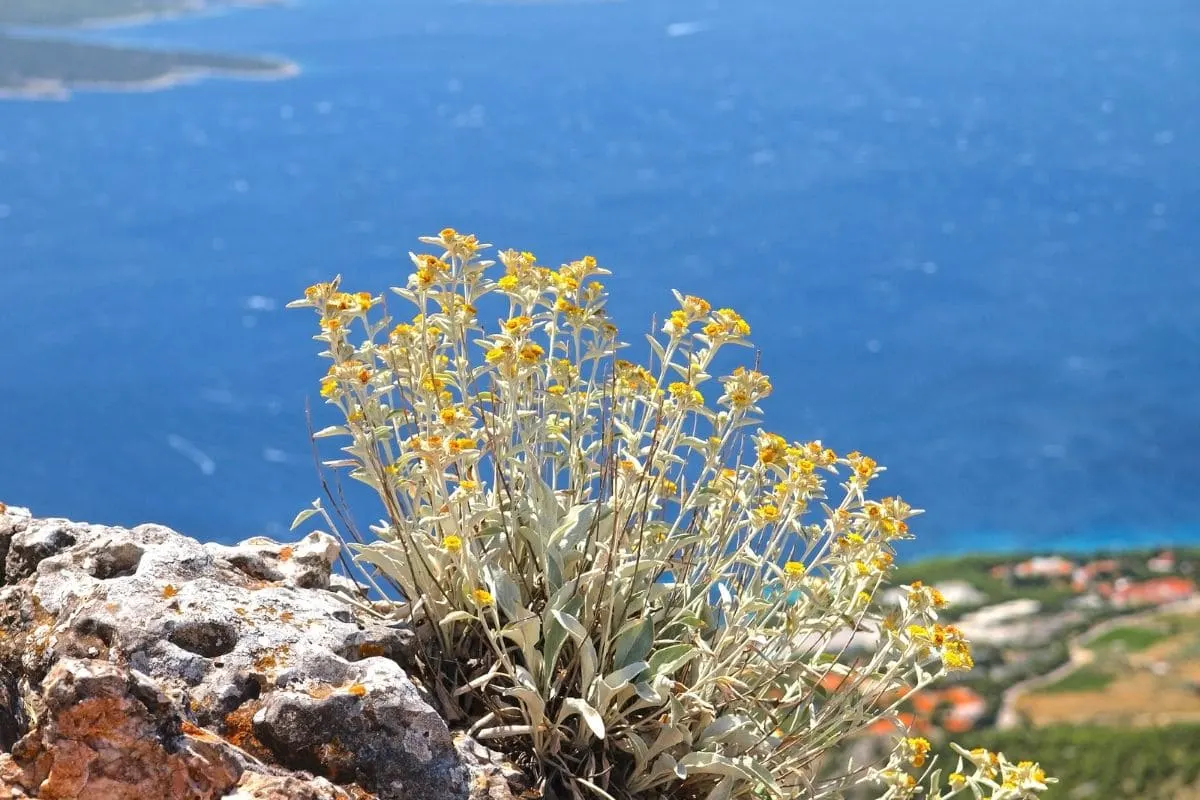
(118, 561)
(89, 627)
(208, 639)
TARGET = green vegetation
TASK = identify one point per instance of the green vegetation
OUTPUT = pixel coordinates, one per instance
(1131, 639)
(60, 13)
(976, 570)
(1103, 763)
(46, 66)
(1085, 679)
(28, 61)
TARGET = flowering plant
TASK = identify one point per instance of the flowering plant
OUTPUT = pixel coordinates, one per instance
(617, 574)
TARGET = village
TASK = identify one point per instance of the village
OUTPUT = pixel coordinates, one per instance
(1059, 639)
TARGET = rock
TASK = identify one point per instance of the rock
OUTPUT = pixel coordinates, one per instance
(142, 663)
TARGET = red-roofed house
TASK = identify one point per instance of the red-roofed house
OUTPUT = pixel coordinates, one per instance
(1161, 563)
(961, 706)
(1154, 592)
(1044, 567)
(1084, 576)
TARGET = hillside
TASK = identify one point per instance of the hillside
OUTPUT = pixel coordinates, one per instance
(62, 13)
(42, 66)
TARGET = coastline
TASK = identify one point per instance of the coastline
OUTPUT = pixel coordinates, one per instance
(56, 89)
(28, 84)
(196, 9)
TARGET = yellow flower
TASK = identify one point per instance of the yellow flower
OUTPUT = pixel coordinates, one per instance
(793, 569)
(676, 324)
(318, 292)
(508, 283)
(518, 324)
(771, 448)
(452, 543)
(916, 749)
(957, 780)
(498, 353)
(956, 657)
(766, 513)
(727, 324)
(556, 389)
(695, 307)
(686, 394)
(329, 387)
(482, 597)
(531, 352)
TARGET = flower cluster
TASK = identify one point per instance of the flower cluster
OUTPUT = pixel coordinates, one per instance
(622, 572)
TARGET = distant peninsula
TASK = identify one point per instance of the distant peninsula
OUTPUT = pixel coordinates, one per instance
(33, 63)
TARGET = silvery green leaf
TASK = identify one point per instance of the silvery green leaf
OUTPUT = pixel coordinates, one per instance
(668, 737)
(554, 569)
(301, 517)
(505, 732)
(633, 642)
(533, 703)
(456, 616)
(699, 761)
(573, 529)
(545, 504)
(587, 663)
(656, 346)
(508, 595)
(666, 660)
(332, 430)
(574, 705)
(340, 462)
(603, 795)
(570, 624)
(626, 674)
(722, 791)
(635, 745)
(648, 693)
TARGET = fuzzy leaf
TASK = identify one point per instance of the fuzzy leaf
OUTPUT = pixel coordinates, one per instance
(301, 517)
(666, 660)
(574, 527)
(332, 430)
(699, 761)
(574, 705)
(532, 702)
(570, 624)
(633, 643)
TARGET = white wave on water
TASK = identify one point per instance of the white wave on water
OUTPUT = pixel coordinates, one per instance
(686, 28)
(258, 302)
(189, 451)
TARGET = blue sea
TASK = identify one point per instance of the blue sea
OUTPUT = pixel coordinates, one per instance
(966, 236)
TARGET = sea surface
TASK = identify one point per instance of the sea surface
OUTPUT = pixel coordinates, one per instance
(966, 236)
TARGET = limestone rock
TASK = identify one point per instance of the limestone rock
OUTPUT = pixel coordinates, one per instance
(142, 663)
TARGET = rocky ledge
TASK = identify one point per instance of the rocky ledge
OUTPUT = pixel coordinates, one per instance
(138, 664)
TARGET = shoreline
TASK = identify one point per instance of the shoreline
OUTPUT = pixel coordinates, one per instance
(49, 88)
(142, 18)
(57, 89)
